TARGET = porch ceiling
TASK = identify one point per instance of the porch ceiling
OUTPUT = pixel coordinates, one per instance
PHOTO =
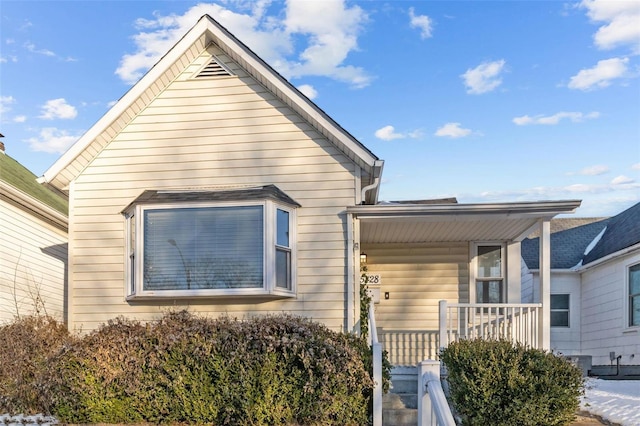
(392, 223)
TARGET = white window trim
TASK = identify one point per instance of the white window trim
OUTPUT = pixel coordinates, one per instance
(473, 267)
(568, 310)
(627, 303)
(270, 207)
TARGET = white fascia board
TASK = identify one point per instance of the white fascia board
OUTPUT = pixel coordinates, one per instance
(125, 101)
(544, 210)
(290, 92)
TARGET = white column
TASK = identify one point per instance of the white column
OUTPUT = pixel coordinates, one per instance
(514, 287)
(544, 323)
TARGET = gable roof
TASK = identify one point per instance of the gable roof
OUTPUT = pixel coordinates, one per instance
(207, 31)
(19, 186)
(623, 231)
(569, 240)
(588, 242)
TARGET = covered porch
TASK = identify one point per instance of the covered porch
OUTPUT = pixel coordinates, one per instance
(445, 271)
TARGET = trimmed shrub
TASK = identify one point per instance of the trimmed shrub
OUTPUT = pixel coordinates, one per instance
(499, 383)
(27, 344)
(186, 369)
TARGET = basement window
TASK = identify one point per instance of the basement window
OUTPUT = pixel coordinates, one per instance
(211, 243)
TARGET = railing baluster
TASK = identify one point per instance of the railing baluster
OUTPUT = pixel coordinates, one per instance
(517, 322)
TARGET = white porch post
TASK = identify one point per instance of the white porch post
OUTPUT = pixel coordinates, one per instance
(544, 333)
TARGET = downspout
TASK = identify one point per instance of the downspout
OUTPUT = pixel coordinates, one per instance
(368, 188)
(376, 181)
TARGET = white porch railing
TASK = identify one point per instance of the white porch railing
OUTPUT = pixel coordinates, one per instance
(433, 408)
(518, 322)
(376, 348)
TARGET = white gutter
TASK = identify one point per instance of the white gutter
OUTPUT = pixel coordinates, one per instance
(534, 208)
(37, 207)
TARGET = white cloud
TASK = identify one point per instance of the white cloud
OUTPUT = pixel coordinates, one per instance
(328, 29)
(596, 170)
(452, 130)
(575, 117)
(53, 140)
(484, 78)
(620, 20)
(33, 49)
(19, 118)
(621, 180)
(421, 22)
(58, 108)
(636, 166)
(6, 59)
(388, 133)
(601, 75)
(308, 90)
(5, 101)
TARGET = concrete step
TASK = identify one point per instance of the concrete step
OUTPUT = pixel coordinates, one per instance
(402, 417)
(400, 405)
(394, 401)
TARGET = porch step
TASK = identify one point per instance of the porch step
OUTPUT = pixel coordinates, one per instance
(400, 405)
(404, 417)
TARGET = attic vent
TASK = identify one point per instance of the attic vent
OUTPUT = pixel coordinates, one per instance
(214, 69)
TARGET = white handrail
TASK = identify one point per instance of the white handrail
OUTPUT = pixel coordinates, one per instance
(433, 407)
(376, 349)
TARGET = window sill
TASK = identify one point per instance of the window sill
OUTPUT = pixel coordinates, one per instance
(631, 330)
(238, 294)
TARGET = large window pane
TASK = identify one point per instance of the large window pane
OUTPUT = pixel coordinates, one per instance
(283, 269)
(203, 248)
(489, 261)
(489, 292)
(559, 301)
(282, 237)
(559, 319)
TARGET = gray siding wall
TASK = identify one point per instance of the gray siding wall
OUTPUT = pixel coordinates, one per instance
(604, 313)
(32, 265)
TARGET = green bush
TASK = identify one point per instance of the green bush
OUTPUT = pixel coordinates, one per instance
(499, 383)
(264, 371)
(27, 344)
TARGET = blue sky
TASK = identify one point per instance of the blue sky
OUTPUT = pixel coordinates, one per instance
(485, 101)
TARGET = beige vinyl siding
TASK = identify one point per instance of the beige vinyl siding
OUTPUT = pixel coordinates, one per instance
(416, 277)
(207, 133)
(32, 264)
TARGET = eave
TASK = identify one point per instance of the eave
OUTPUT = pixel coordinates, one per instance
(404, 224)
(33, 206)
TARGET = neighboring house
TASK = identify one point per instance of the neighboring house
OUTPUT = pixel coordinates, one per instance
(33, 244)
(595, 287)
(215, 185)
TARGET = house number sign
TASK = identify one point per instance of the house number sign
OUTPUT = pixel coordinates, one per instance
(369, 279)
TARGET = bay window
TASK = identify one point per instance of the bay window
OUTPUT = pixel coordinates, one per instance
(211, 243)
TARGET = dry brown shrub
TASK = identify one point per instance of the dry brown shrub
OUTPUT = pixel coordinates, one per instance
(27, 345)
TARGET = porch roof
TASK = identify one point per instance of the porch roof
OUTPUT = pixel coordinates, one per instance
(420, 223)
